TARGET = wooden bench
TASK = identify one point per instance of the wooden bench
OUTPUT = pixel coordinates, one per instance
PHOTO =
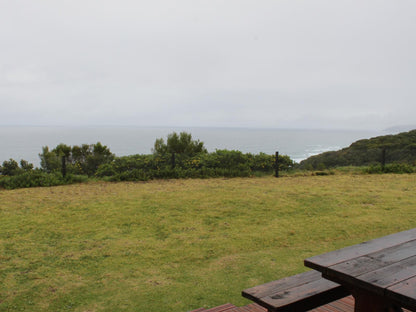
(300, 292)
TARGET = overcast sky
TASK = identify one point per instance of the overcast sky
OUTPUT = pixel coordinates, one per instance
(229, 63)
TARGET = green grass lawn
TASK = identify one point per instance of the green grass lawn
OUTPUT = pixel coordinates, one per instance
(182, 244)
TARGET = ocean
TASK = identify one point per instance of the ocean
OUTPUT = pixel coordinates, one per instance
(26, 142)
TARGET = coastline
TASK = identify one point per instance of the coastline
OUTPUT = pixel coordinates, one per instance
(26, 142)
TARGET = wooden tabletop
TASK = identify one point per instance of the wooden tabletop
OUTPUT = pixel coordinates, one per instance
(384, 267)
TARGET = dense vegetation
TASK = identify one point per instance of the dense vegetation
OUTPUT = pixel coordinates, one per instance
(84, 159)
(177, 245)
(221, 163)
(179, 157)
(398, 149)
(183, 157)
(181, 143)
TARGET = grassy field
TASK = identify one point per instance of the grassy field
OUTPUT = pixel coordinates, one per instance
(182, 244)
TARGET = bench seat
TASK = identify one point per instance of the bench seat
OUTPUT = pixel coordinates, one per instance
(298, 293)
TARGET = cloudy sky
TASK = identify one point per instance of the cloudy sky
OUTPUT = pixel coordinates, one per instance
(229, 63)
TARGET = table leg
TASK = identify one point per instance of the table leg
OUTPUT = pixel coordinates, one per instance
(368, 302)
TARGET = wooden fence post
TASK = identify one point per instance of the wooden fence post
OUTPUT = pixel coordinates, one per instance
(276, 165)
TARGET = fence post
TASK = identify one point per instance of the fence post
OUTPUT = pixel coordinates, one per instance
(173, 160)
(63, 166)
(383, 157)
(276, 165)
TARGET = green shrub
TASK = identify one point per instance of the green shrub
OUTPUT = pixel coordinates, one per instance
(84, 159)
(324, 173)
(75, 178)
(25, 165)
(390, 168)
(11, 167)
(31, 179)
(132, 175)
(106, 170)
(225, 159)
(37, 178)
(399, 148)
(180, 157)
(181, 143)
(221, 163)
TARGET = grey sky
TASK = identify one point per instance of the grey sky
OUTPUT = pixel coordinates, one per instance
(233, 63)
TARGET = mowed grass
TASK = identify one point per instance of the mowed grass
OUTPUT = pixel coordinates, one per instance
(182, 244)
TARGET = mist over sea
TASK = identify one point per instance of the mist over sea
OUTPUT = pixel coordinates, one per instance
(25, 142)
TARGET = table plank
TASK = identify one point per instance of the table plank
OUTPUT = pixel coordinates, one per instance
(274, 287)
(301, 296)
(348, 253)
(378, 280)
(375, 272)
(374, 261)
(404, 292)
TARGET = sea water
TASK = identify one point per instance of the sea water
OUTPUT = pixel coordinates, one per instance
(26, 142)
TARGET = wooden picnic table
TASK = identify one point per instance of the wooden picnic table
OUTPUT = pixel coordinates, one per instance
(381, 273)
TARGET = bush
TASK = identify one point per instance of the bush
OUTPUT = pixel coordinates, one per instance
(399, 148)
(36, 178)
(178, 173)
(11, 167)
(31, 179)
(181, 143)
(132, 175)
(181, 157)
(225, 159)
(323, 173)
(75, 178)
(221, 163)
(25, 165)
(390, 168)
(106, 170)
(84, 159)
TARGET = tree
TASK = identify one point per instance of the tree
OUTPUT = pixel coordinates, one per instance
(11, 167)
(179, 144)
(49, 160)
(25, 165)
(98, 154)
(83, 159)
